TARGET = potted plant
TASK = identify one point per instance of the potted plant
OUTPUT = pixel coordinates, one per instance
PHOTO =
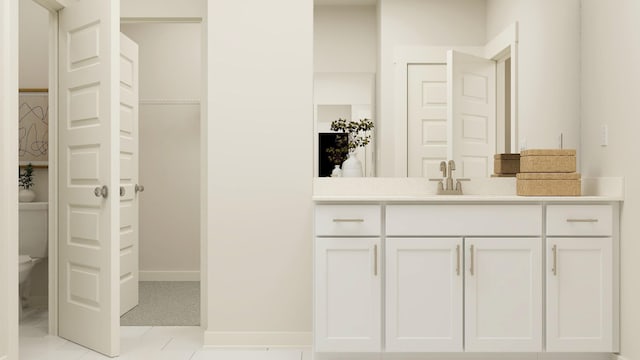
(358, 135)
(25, 177)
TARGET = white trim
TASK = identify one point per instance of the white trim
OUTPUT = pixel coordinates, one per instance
(404, 56)
(257, 339)
(154, 20)
(617, 357)
(204, 173)
(53, 173)
(169, 102)
(499, 48)
(169, 275)
(8, 165)
(54, 5)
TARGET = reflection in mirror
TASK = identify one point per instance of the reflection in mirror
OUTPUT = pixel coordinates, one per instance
(347, 96)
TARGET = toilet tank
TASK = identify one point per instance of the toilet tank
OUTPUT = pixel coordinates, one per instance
(33, 230)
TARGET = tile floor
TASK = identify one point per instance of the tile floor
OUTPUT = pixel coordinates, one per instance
(139, 343)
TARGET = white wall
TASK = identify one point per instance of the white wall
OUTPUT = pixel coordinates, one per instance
(345, 39)
(8, 181)
(610, 89)
(162, 8)
(34, 45)
(417, 23)
(169, 145)
(34, 67)
(260, 172)
(548, 67)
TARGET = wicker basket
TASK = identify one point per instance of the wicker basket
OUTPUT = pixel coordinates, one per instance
(548, 161)
(506, 164)
(548, 184)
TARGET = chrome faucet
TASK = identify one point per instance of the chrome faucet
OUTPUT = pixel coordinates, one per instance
(447, 176)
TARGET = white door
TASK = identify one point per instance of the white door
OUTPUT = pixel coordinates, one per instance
(503, 295)
(347, 295)
(579, 295)
(129, 229)
(89, 205)
(424, 295)
(426, 119)
(472, 113)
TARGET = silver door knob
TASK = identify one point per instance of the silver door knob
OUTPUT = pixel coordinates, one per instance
(122, 191)
(139, 188)
(101, 191)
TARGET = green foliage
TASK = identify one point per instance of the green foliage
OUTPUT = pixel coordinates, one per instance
(358, 135)
(26, 177)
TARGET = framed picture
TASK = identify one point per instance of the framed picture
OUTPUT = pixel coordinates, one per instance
(34, 127)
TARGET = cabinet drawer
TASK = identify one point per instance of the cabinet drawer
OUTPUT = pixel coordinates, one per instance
(348, 220)
(582, 220)
(464, 220)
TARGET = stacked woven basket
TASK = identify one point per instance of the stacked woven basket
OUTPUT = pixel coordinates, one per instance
(548, 173)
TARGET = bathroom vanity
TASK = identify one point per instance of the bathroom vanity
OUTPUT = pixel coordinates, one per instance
(398, 273)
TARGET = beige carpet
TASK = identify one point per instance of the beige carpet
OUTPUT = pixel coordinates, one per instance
(166, 303)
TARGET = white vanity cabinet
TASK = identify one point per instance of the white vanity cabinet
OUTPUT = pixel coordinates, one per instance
(502, 293)
(347, 281)
(579, 278)
(412, 277)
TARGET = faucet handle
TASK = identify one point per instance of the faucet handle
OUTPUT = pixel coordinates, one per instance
(459, 184)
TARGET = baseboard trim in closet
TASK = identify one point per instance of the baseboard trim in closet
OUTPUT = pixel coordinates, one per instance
(169, 276)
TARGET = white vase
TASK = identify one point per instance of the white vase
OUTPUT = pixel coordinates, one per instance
(352, 167)
(337, 172)
(26, 195)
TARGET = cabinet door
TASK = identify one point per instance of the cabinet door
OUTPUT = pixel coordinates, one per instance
(347, 295)
(503, 295)
(579, 294)
(423, 294)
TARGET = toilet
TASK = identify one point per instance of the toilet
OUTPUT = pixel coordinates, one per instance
(33, 243)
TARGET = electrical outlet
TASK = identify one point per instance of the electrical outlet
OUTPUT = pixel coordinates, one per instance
(604, 135)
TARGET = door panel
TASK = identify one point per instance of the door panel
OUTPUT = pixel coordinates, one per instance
(348, 304)
(427, 119)
(579, 300)
(129, 157)
(88, 151)
(424, 295)
(503, 295)
(472, 113)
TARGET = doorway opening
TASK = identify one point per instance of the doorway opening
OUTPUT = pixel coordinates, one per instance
(169, 168)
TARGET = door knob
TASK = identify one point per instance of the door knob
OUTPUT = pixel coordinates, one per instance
(139, 188)
(101, 191)
(123, 191)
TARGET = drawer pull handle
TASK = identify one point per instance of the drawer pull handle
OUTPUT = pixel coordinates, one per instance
(554, 267)
(375, 260)
(348, 220)
(471, 266)
(582, 220)
(458, 260)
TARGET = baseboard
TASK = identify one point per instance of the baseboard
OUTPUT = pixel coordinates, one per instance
(169, 275)
(617, 357)
(242, 339)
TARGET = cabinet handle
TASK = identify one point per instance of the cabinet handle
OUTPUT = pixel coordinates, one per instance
(458, 260)
(554, 267)
(471, 266)
(375, 260)
(348, 220)
(582, 220)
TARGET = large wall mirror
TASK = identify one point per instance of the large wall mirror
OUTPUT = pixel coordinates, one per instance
(443, 80)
